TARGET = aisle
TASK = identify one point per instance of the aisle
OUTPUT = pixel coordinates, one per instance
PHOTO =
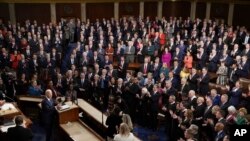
(147, 134)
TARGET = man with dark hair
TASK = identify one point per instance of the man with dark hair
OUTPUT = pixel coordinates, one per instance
(19, 132)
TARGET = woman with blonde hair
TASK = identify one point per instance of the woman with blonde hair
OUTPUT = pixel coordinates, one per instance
(124, 134)
(241, 117)
(126, 119)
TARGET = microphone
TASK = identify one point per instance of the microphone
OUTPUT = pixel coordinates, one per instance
(5, 96)
(74, 99)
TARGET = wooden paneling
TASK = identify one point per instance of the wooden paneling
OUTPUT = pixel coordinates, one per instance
(176, 9)
(32, 11)
(68, 10)
(200, 10)
(150, 9)
(99, 10)
(241, 15)
(129, 9)
(4, 12)
(219, 11)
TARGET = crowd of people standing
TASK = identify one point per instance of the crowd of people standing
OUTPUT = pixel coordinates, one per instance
(91, 60)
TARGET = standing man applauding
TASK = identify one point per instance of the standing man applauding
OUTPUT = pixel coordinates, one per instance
(48, 114)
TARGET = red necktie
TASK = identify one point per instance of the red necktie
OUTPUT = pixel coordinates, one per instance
(145, 69)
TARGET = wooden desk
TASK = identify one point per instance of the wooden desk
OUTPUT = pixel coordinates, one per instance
(9, 110)
(68, 115)
(92, 111)
(27, 98)
(78, 131)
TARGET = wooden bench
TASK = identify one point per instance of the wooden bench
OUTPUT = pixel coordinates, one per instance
(244, 84)
(79, 131)
(220, 88)
(95, 114)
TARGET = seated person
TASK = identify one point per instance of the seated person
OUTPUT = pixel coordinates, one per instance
(34, 89)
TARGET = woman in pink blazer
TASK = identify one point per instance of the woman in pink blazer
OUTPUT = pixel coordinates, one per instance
(166, 57)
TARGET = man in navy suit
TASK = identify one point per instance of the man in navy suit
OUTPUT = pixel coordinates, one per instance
(204, 80)
(19, 132)
(219, 129)
(244, 67)
(48, 114)
(235, 94)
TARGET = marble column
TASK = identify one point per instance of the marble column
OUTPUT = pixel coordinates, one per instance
(116, 10)
(159, 9)
(12, 13)
(230, 14)
(83, 12)
(53, 12)
(208, 9)
(142, 9)
(193, 10)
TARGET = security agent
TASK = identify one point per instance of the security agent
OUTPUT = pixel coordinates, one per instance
(19, 132)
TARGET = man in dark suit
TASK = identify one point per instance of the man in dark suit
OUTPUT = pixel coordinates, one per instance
(122, 68)
(201, 58)
(193, 79)
(19, 132)
(48, 114)
(168, 91)
(235, 94)
(155, 68)
(233, 74)
(192, 99)
(83, 86)
(112, 72)
(145, 68)
(184, 89)
(219, 129)
(224, 104)
(244, 67)
(203, 81)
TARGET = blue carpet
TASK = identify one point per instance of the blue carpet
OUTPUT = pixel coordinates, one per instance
(38, 132)
(146, 134)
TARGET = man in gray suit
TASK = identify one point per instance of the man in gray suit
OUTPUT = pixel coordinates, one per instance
(130, 52)
(71, 26)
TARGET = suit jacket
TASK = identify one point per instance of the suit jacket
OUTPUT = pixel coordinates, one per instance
(208, 113)
(132, 50)
(184, 90)
(147, 69)
(202, 61)
(193, 82)
(220, 136)
(122, 69)
(212, 65)
(224, 106)
(235, 97)
(244, 71)
(48, 112)
(19, 133)
(69, 63)
(85, 85)
(204, 88)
